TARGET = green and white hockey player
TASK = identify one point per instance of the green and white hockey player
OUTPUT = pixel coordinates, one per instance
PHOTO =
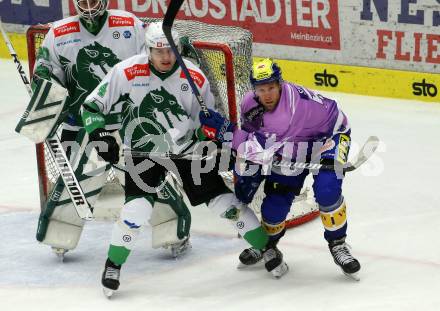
(80, 50)
(160, 114)
(77, 53)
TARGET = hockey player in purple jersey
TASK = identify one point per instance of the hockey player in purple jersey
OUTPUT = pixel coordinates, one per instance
(278, 119)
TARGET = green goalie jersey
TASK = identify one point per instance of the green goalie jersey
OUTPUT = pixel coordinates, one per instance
(159, 111)
(78, 57)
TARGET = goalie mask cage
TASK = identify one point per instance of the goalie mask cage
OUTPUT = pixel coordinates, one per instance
(224, 53)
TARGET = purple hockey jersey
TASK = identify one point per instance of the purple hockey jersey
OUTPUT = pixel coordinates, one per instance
(301, 116)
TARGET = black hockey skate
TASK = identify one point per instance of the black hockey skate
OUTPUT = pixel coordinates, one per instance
(273, 261)
(110, 278)
(249, 257)
(343, 258)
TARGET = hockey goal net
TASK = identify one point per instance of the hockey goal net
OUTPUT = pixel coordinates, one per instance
(224, 54)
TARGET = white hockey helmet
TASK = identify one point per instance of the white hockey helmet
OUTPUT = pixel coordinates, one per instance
(90, 9)
(155, 37)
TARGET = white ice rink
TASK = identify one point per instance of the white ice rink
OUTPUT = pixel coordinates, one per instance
(394, 229)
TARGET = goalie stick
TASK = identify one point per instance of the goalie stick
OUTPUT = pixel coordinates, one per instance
(82, 206)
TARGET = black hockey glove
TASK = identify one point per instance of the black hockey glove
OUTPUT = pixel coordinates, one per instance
(109, 154)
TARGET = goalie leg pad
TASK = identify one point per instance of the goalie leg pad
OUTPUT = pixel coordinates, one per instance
(241, 217)
(66, 229)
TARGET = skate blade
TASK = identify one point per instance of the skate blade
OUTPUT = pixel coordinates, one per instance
(257, 265)
(108, 293)
(180, 251)
(353, 276)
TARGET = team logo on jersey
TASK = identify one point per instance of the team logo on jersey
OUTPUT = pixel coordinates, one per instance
(138, 70)
(127, 34)
(92, 64)
(66, 29)
(116, 35)
(184, 87)
(196, 76)
(120, 21)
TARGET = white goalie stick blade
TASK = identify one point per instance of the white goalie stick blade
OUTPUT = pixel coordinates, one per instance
(41, 117)
(82, 207)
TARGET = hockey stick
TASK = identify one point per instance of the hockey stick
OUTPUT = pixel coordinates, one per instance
(167, 25)
(171, 156)
(82, 206)
(278, 166)
(362, 156)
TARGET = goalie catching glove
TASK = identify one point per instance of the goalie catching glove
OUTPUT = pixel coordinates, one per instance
(109, 151)
(215, 126)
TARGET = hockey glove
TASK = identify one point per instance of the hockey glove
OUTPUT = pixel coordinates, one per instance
(109, 154)
(215, 126)
(246, 183)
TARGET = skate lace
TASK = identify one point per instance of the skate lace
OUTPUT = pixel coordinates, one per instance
(112, 273)
(342, 253)
(270, 254)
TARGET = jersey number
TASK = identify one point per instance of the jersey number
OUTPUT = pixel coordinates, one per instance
(310, 95)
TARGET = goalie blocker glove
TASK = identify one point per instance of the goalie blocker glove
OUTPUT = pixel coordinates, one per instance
(109, 150)
(215, 126)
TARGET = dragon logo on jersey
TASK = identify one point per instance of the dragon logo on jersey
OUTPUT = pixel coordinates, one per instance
(161, 103)
(93, 62)
(142, 131)
(159, 111)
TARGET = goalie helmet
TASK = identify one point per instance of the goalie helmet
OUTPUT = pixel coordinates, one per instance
(265, 71)
(90, 9)
(155, 37)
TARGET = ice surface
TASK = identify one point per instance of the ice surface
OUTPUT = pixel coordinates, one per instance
(393, 208)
